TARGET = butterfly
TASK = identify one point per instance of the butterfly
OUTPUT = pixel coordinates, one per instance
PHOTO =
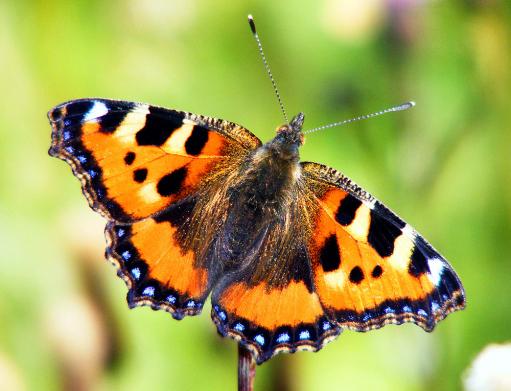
(291, 252)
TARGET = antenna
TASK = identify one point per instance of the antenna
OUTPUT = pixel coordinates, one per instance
(401, 107)
(261, 52)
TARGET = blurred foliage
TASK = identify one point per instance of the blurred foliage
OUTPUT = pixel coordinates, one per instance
(444, 166)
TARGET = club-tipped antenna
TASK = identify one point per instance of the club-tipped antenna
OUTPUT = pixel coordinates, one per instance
(401, 107)
(265, 62)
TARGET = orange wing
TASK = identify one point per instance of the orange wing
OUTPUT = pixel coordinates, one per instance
(135, 160)
(270, 318)
(141, 167)
(370, 268)
(157, 265)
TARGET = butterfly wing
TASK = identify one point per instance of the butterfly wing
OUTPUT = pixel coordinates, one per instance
(270, 304)
(135, 159)
(370, 268)
(143, 168)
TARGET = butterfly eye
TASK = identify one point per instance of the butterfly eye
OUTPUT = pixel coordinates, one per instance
(283, 129)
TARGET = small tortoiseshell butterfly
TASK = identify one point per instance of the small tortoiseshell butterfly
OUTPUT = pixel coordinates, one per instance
(292, 252)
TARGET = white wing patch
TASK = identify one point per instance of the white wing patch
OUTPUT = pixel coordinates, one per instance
(436, 266)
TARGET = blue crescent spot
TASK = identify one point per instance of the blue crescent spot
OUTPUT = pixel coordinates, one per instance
(239, 327)
(126, 255)
(304, 334)
(149, 291)
(135, 272)
(190, 304)
(326, 326)
(283, 338)
(259, 339)
(171, 299)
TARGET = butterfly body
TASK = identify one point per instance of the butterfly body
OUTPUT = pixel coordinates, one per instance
(258, 200)
(291, 252)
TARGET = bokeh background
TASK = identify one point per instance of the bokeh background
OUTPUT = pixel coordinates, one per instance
(444, 166)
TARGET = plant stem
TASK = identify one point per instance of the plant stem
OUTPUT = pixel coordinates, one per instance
(246, 369)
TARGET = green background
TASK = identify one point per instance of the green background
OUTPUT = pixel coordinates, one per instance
(443, 166)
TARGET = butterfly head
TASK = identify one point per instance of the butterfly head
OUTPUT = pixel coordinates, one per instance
(289, 138)
(291, 133)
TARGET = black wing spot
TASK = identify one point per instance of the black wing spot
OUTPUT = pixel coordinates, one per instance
(172, 183)
(377, 271)
(79, 108)
(382, 234)
(347, 209)
(159, 125)
(197, 140)
(111, 121)
(130, 158)
(418, 264)
(419, 259)
(140, 175)
(385, 212)
(329, 256)
(356, 275)
(177, 214)
(299, 269)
